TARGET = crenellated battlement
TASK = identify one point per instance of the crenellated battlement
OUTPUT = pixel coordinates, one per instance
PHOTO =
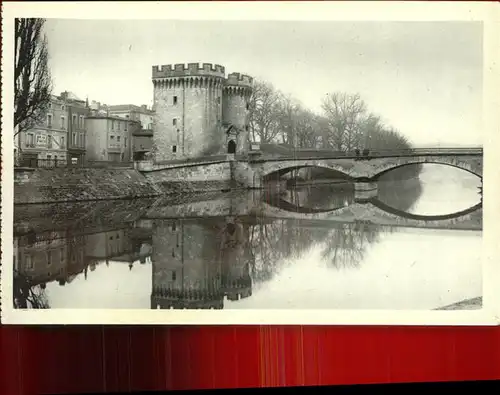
(190, 69)
(240, 80)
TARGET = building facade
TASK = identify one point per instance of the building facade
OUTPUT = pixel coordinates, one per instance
(142, 114)
(198, 111)
(142, 143)
(46, 143)
(108, 139)
(78, 111)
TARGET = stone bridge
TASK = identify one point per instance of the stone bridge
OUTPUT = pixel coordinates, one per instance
(375, 212)
(366, 168)
(252, 171)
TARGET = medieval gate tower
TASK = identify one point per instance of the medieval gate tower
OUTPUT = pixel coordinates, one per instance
(199, 111)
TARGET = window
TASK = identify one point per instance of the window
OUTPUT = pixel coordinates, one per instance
(61, 255)
(31, 140)
(49, 141)
(118, 138)
(49, 120)
(62, 107)
(112, 124)
(218, 100)
(125, 142)
(63, 126)
(30, 264)
(73, 119)
(125, 127)
(174, 121)
(173, 227)
(174, 276)
(73, 142)
(81, 122)
(175, 100)
(82, 140)
(118, 123)
(174, 148)
(49, 258)
(63, 142)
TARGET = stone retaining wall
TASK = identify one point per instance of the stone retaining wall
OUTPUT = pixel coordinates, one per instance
(76, 184)
(193, 178)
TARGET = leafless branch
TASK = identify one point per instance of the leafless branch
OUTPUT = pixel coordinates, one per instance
(32, 80)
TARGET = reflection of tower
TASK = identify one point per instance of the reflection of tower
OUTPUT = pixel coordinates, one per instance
(75, 259)
(185, 265)
(236, 259)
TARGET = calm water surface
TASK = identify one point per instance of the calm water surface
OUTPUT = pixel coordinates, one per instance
(210, 255)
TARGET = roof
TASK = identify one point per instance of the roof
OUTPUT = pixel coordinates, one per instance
(130, 107)
(104, 116)
(143, 132)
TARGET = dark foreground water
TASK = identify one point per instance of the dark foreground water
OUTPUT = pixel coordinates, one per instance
(214, 252)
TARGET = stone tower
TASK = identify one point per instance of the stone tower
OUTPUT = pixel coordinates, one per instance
(236, 94)
(198, 111)
(187, 102)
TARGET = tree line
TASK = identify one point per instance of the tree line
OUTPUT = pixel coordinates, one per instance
(344, 124)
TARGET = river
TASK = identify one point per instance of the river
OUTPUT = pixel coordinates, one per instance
(215, 252)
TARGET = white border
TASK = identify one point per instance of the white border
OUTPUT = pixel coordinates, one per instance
(356, 11)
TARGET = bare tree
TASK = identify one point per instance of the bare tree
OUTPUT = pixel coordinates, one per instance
(27, 294)
(264, 112)
(32, 80)
(344, 113)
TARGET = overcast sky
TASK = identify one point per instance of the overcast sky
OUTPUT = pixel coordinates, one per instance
(424, 78)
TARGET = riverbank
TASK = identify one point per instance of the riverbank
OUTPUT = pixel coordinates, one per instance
(64, 185)
(468, 304)
(32, 186)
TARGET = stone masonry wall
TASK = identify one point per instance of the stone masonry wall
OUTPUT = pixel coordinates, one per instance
(205, 177)
(196, 113)
(70, 185)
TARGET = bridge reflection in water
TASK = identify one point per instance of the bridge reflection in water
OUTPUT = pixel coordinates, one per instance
(217, 251)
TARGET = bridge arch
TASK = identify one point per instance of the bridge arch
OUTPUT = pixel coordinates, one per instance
(462, 165)
(286, 167)
(287, 206)
(281, 204)
(419, 217)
